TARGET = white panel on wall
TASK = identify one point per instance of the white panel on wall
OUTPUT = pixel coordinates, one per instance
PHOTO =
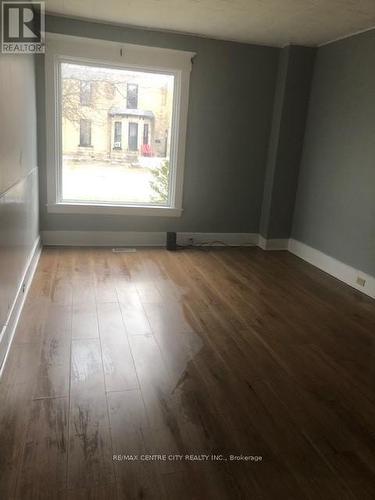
(18, 232)
(19, 229)
(18, 118)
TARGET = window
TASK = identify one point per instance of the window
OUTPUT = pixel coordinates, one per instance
(106, 174)
(85, 133)
(124, 152)
(132, 96)
(117, 138)
(133, 137)
(145, 134)
(85, 93)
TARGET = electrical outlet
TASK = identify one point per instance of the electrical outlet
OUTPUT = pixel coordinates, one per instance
(23, 287)
(191, 241)
(360, 281)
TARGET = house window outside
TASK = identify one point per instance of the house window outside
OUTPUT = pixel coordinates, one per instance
(117, 137)
(132, 96)
(85, 133)
(133, 137)
(145, 133)
(85, 93)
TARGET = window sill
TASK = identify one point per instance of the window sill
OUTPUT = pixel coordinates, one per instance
(107, 209)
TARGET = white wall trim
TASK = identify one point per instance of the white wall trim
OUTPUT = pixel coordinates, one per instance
(218, 239)
(103, 238)
(334, 267)
(273, 243)
(108, 209)
(144, 239)
(330, 265)
(348, 35)
(9, 328)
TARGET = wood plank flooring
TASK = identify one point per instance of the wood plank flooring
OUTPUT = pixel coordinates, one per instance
(195, 353)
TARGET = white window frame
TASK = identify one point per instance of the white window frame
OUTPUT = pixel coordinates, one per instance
(64, 48)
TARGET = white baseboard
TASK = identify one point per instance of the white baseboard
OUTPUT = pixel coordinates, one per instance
(141, 239)
(9, 328)
(103, 238)
(273, 243)
(334, 267)
(218, 239)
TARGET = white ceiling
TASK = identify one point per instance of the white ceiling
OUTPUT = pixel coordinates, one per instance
(269, 22)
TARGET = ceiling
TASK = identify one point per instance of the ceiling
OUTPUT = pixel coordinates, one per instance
(267, 22)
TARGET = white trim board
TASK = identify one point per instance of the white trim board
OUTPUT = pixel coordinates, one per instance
(273, 243)
(107, 209)
(330, 265)
(9, 328)
(334, 267)
(103, 238)
(344, 37)
(218, 239)
(144, 239)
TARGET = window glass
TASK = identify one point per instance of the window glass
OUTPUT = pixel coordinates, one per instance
(116, 140)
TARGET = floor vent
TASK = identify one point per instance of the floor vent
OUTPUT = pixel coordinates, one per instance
(123, 250)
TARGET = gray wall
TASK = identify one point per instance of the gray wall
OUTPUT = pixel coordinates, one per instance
(292, 94)
(18, 175)
(231, 100)
(335, 204)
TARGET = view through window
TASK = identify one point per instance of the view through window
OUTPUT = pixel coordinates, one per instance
(116, 135)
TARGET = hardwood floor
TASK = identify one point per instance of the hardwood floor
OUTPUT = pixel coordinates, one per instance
(197, 352)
